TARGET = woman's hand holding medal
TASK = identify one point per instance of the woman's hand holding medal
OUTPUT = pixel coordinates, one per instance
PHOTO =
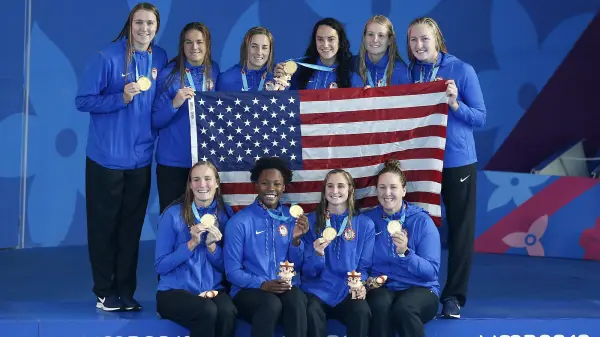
(320, 244)
(301, 226)
(131, 89)
(182, 95)
(400, 240)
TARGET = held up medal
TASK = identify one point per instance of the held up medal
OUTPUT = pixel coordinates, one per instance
(296, 211)
(144, 83)
(329, 233)
(394, 226)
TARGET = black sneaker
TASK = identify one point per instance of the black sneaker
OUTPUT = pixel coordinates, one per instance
(451, 308)
(130, 304)
(109, 303)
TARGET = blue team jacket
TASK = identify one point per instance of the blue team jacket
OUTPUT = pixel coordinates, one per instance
(231, 79)
(420, 268)
(255, 244)
(178, 267)
(471, 113)
(173, 146)
(377, 71)
(326, 276)
(120, 136)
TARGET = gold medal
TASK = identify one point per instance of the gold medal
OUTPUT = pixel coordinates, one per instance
(290, 67)
(296, 211)
(208, 220)
(144, 83)
(394, 226)
(329, 233)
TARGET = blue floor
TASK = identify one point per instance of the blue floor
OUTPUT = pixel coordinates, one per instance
(51, 288)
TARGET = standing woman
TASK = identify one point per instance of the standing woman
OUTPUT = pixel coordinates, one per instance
(379, 63)
(257, 240)
(189, 258)
(430, 61)
(255, 70)
(328, 60)
(408, 254)
(190, 71)
(328, 261)
(117, 89)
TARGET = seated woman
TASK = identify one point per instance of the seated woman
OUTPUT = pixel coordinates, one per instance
(189, 258)
(407, 251)
(338, 244)
(259, 240)
(378, 63)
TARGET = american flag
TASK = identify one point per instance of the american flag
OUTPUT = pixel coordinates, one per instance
(316, 131)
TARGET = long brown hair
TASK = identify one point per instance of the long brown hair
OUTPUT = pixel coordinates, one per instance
(126, 31)
(440, 45)
(321, 209)
(258, 30)
(179, 59)
(188, 197)
(392, 50)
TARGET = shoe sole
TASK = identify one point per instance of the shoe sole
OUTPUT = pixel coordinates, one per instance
(451, 316)
(101, 306)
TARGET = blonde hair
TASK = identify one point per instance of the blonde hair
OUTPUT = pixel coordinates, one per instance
(392, 50)
(258, 30)
(440, 45)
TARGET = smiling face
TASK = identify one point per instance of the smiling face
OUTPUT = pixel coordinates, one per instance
(194, 47)
(328, 43)
(143, 28)
(390, 192)
(259, 49)
(203, 184)
(336, 189)
(376, 39)
(423, 43)
(270, 187)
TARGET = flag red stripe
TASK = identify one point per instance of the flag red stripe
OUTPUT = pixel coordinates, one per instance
(373, 138)
(349, 93)
(316, 186)
(328, 164)
(371, 115)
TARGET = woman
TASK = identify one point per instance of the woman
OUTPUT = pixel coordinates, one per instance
(258, 239)
(327, 62)
(409, 256)
(379, 63)
(255, 70)
(429, 61)
(192, 70)
(189, 258)
(328, 261)
(117, 89)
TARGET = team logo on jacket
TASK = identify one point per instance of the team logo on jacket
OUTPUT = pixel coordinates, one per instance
(283, 230)
(439, 79)
(333, 85)
(154, 73)
(349, 234)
